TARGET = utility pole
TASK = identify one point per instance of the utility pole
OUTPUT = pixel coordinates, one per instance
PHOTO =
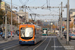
(67, 22)
(5, 23)
(25, 14)
(11, 19)
(73, 23)
(35, 17)
(51, 26)
(18, 19)
(61, 22)
(31, 16)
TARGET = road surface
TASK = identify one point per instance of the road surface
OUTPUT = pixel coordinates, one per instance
(47, 43)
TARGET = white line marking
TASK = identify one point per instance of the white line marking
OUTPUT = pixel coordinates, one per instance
(54, 44)
(39, 44)
(47, 44)
(49, 36)
(10, 47)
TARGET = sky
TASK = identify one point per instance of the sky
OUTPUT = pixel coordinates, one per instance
(51, 3)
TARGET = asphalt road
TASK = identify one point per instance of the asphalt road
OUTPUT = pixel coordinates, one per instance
(47, 43)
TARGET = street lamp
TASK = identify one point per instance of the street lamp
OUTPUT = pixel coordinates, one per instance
(51, 26)
(3, 24)
(11, 19)
(51, 23)
(67, 42)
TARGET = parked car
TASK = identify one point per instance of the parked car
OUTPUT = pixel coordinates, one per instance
(72, 36)
(1, 33)
(18, 33)
(8, 35)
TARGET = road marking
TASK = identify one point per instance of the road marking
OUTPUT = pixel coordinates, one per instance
(49, 36)
(10, 47)
(39, 44)
(54, 44)
(47, 44)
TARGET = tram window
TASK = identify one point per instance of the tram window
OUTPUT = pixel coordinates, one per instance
(22, 32)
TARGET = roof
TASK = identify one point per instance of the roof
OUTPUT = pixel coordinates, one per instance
(31, 24)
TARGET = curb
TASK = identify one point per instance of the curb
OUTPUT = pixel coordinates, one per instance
(64, 45)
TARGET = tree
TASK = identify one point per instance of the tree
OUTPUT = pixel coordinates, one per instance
(54, 26)
(9, 18)
(1, 15)
(71, 25)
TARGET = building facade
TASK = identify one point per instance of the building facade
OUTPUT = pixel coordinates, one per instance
(72, 14)
(5, 6)
(0, 3)
(21, 17)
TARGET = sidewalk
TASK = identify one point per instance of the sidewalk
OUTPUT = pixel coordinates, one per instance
(9, 39)
(1, 38)
(71, 46)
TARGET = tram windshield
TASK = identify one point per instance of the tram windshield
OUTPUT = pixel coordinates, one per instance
(26, 32)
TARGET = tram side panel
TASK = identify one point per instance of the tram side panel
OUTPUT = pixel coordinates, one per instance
(38, 35)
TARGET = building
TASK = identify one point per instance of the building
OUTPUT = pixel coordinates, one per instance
(21, 17)
(4, 6)
(72, 14)
(63, 22)
(0, 3)
(16, 17)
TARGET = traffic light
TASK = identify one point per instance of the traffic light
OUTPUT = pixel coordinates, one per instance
(62, 29)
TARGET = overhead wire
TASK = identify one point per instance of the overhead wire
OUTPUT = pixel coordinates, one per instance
(47, 2)
(31, 1)
(23, 3)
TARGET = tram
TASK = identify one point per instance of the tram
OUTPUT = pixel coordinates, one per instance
(29, 34)
(45, 31)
